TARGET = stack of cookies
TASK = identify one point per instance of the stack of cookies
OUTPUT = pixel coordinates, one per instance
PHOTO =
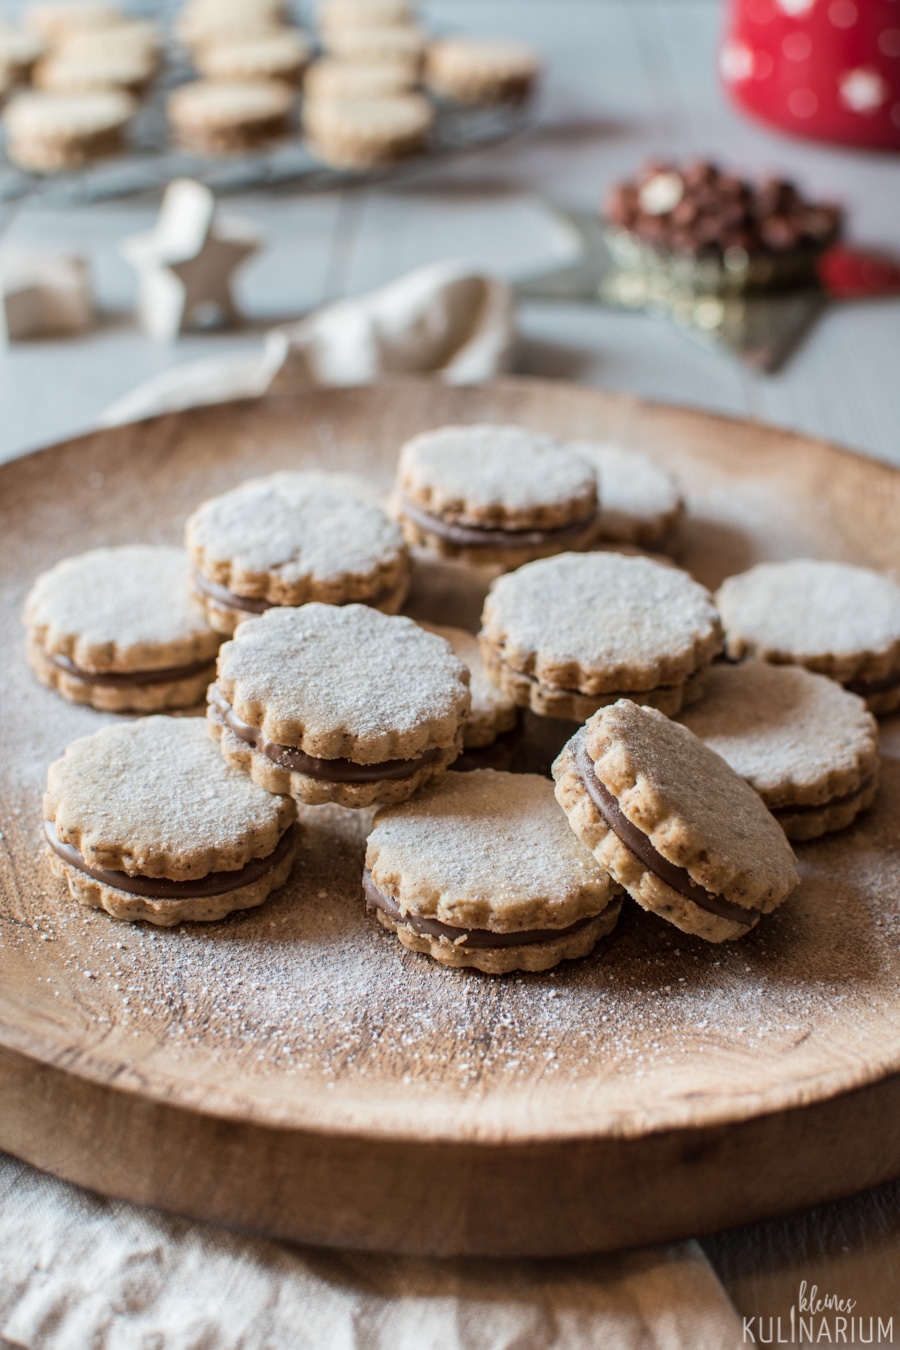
(681, 777)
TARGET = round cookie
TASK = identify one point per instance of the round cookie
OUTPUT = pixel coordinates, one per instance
(74, 72)
(482, 870)
(336, 15)
(339, 704)
(217, 117)
(279, 55)
(495, 494)
(474, 70)
(117, 628)
(641, 503)
(146, 821)
(492, 713)
(330, 78)
(291, 538)
(833, 618)
(359, 133)
(18, 53)
(672, 823)
(398, 44)
(567, 635)
(808, 747)
(48, 133)
(55, 20)
(202, 21)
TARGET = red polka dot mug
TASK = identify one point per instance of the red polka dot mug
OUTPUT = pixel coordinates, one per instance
(829, 69)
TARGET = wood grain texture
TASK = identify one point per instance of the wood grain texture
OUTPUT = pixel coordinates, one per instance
(294, 1070)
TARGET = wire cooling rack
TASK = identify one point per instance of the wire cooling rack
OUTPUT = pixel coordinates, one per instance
(150, 160)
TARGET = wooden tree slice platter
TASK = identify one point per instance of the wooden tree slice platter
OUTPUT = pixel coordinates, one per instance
(295, 1071)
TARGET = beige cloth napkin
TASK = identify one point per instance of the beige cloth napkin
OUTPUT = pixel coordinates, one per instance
(447, 319)
(78, 1271)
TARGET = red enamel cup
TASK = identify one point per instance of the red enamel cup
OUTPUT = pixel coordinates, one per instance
(827, 69)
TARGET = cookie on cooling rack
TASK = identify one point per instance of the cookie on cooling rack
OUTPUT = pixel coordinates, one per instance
(49, 133)
(363, 132)
(565, 636)
(117, 628)
(202, 21)
(495, 494)
(18, 53)
(74, 71)
(218, 117)
(282, 55)
(641, 503)
(290, 538)
(339, 704)
(341, 15)
(479, 71)
(673, 823)
(396, 44)
(330, 78)
(55, 20)
(808, 747)
(482, 870)
(146, 821)
(832, 618)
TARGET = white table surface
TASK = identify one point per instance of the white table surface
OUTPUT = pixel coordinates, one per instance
(625, 79)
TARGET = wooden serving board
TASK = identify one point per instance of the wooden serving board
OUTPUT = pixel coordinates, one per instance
(294, 1070)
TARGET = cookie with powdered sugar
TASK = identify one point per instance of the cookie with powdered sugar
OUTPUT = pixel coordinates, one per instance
(50, 132)
(482, 870)
(219, 117)
(641, 503)
(480, 70)
(493, 713)
(567, 635)
(361, 131)
(118, 628)
(495, 494)
(808, 747)
(146, 821)
(292, 538)
(833, 618)
(339, 704)
(687, 837)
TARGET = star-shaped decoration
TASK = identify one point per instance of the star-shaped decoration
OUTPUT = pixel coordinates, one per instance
(185, 263)
(862, 90)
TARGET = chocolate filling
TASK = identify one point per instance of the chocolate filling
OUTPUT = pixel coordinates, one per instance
(128, 679)
(328, 770)
(164, 888)
(867, 687)
(808, 809)
(474, 536)
(467, 939)
(252, 604)
(634, 839)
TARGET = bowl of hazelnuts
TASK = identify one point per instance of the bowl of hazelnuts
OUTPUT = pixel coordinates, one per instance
(699, 227)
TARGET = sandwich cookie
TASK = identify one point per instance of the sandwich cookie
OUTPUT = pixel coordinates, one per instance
(567, 635)
(477, 71)
(56, 20)
(482, 870)
(495, 494)
(146, 821)
(395, 43)
(18, 53)
(641, 503)
(493, 713)
(833, 618)
(279, 55)
(49, 133)
(680, 830)
(342, 15)
(289, 539)
(117, 628)
(334, 79)
(339, 704)
(218, 117)
(359, 133)
(808, 747)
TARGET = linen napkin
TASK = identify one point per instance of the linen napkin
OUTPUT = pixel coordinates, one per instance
(80, 1271)
(448, 319)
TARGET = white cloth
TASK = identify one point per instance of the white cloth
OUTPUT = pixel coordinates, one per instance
(79, 1271)
(448, 320)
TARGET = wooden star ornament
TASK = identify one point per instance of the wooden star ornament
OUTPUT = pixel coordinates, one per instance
(186, 262)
